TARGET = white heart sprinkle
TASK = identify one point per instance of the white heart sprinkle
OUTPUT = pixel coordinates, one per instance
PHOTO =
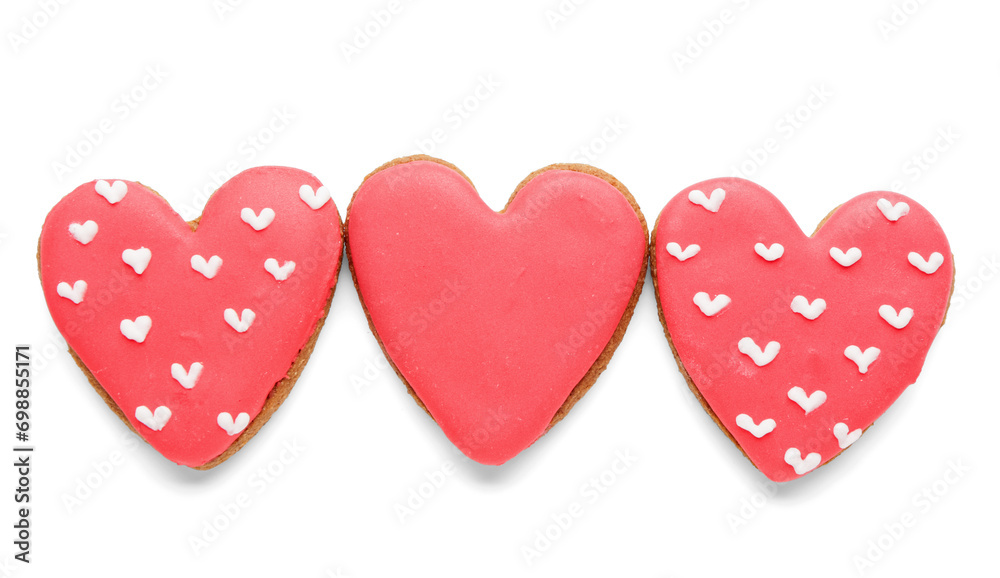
(807, 402)
(897, 320)
(315, 200)
(682, 255)
(810, 311)
(929, 266)
(280, 273)
(758, 430)
(138, 259)
(793, 457)
(845, 437)
(84, 233)
(772, 253)
(893, 212)
(748, 347)
(711, 306)
(863, 360)
(232, 427)
(208, 268)
(113, 192)
(846, 259)
(258, 222)
(240, 323)
(136, 330)
(710, 203)
(188, 378)
(74, 293)
(153, 420)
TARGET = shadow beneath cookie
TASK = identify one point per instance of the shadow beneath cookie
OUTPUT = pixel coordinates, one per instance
(160, 468)
(812, 486)
(514, 469)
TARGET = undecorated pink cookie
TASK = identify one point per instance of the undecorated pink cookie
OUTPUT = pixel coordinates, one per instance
(497, 322)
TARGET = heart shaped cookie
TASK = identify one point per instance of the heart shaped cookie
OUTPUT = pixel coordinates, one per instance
(183, 328)
(497, 322)
(796, 344)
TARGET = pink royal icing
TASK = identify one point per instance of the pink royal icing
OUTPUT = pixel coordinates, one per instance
(145, 302)
(493, 318)
(810, 350)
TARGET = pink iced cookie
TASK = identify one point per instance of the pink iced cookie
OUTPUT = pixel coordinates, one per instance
(497, 322)
(796, 344)
(193, 337)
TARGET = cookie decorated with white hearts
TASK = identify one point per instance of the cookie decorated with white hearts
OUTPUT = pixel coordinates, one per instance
(795, 345)
(497, 322)
(193, 332)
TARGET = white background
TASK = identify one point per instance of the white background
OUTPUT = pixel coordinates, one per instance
(891, 90)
